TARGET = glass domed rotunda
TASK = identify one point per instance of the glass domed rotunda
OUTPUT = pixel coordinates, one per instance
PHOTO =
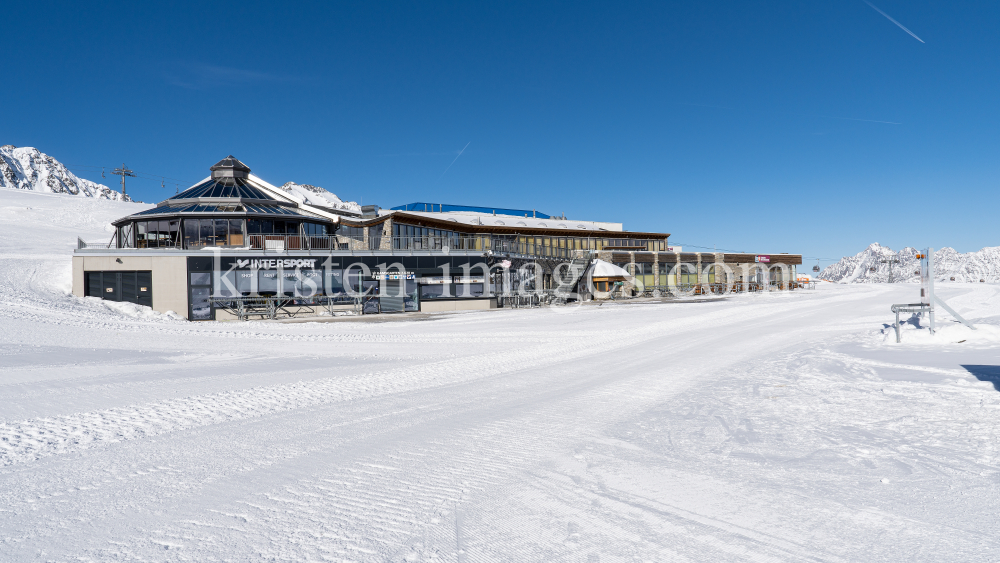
(230, 208)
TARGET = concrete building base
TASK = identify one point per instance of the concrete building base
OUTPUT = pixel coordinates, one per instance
(439, 305)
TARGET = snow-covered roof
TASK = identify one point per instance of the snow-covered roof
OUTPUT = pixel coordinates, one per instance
(604, 269)
(488, 219)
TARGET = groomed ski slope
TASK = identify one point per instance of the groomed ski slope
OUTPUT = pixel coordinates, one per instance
(779, 427)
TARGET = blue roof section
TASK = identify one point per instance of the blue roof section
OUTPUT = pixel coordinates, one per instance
(223, 187)
(445, 207)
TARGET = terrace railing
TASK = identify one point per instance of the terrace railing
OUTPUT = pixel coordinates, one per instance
(480, 243)
(284, 243)
(80, 243)
(272, 307)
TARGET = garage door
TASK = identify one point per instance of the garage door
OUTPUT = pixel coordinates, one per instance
(132, 287)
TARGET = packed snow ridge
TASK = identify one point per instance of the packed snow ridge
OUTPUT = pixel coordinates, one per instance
(319, 197)
(949, 265)
(27, 168)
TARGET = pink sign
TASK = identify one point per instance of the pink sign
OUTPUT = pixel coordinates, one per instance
(764, 259)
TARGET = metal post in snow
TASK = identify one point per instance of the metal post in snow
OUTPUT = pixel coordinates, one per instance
(898, 340)
(930, 284)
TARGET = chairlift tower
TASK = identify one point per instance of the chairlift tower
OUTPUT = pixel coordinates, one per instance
(890, 262)
(927, 298)
(123, 172)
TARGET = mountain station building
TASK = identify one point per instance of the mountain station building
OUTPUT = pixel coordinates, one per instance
(234, 245)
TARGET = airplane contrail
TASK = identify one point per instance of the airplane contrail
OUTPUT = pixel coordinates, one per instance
(901, 26)
(456, 158)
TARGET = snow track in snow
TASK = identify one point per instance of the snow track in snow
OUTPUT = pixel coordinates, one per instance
(779, 427)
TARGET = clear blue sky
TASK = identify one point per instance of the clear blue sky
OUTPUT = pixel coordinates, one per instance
(813, 127)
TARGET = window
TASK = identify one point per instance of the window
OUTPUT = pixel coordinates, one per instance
(201, 291)
(173, 227)
(435, 291)
(468, 290)
(351, 231)
(207, 232)
(375, 236)
(192, 236)
(161, 234)
(314, 229)
(236, 232)
(125, 236)
(221, 231)
(140, 235)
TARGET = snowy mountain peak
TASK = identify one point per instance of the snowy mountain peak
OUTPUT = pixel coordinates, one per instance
(27, 168)
(319, 197)
(904, 266)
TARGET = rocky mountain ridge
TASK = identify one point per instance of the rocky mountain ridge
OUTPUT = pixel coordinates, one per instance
(27, 168)
(319, 197)
(949, 265)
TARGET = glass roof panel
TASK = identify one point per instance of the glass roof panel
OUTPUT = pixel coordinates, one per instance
(222, 188)
(193, 189)
(223, 208)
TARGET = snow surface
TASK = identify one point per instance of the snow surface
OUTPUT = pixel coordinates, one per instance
(319, 197)
(775, 427)
(27, 168)
(949, 265)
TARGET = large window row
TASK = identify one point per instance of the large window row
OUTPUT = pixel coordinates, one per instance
(351, 231)
(213, 232)
(199, 233)
(560, 246)
(410, 236)
(684, 275)
(410, 231)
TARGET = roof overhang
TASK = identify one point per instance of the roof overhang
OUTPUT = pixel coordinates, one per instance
(516, 230)
(223, 201)
(281, 195)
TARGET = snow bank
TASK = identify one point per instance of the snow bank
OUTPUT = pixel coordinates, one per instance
(949, 333)
(137, 311)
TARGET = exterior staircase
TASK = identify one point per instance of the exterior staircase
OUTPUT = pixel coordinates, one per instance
(568, 286)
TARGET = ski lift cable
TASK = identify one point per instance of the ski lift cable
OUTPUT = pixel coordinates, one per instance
(143, 175)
